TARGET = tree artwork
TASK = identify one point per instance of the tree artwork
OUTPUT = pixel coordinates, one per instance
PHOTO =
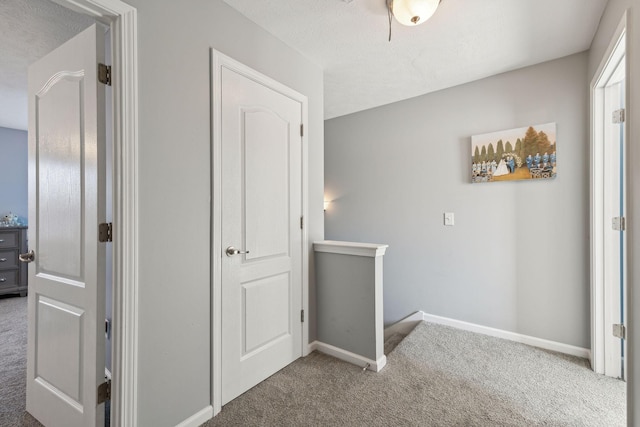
(518, 149)
(508, 148)
(499, 149)
(491, 155)
(532, 156)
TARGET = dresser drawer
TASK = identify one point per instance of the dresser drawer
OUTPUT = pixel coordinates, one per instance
(9, 278)
(9, 238)
(9, 259)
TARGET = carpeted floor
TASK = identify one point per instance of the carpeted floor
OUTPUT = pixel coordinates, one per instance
(13, 363)
(437, 376)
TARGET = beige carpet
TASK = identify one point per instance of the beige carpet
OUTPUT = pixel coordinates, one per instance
(437, 376)
(13, 363)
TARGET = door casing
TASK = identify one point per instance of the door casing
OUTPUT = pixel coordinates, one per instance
(597, 254)
(123, 21)
(219, 60)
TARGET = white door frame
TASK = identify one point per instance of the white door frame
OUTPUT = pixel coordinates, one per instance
(219, 60)
(597, 200)
(122, 18)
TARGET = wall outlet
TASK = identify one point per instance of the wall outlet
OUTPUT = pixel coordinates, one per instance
(449, 218)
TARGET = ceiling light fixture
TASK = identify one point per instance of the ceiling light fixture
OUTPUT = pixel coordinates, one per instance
(411, 12)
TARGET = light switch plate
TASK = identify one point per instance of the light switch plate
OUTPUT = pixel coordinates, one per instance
(449, 218)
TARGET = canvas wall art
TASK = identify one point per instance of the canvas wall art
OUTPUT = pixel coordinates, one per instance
(509, 155)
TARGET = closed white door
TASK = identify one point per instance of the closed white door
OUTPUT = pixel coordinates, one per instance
(65, 361)
(261, 210)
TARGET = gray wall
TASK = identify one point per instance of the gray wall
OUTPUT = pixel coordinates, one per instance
(517, 258)
(347, 302)
(609, 22)
(13, 173)
(175, 194)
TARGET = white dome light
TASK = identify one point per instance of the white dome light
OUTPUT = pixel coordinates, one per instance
(412, 12)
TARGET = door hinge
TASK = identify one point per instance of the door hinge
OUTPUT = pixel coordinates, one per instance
(104, 74)
(619, 116)
(620, 331)
(301, 129)
(301, 223)
(302, 316)
(104, 392)
(619, 223)
(105, 232)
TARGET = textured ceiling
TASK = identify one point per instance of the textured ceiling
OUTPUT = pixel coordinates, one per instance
(464, 41)
(29, 29)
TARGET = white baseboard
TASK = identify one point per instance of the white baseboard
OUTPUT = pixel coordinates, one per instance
(405, 325)
(347, 356)
(311, 347)
(198, 418)
(410, 322)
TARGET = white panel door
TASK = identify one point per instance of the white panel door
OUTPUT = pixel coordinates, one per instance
(261, 208)
(65, 361)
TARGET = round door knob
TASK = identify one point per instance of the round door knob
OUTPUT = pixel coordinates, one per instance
(28, 257)
(230, 251)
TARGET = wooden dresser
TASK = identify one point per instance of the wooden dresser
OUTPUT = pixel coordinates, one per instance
(13, 273)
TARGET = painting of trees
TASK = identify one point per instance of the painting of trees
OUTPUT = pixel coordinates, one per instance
(510, 149)
(519, 150)
(530, 141)
(491, 155)
(544, 146)
(499, 150)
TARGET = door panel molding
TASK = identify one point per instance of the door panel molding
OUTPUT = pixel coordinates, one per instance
(219, 62)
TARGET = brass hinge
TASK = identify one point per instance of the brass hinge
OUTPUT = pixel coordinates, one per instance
(104, 74)
(619, 116)
(301, 129)
(104, 392)
(619, 331)
(105, 232)
(302, 316)
(301, 223)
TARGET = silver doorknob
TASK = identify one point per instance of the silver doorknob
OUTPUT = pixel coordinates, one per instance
(28, 257)
(233, 251)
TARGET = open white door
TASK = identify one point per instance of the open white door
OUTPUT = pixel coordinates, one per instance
(261, 236)
(614, 229)
(608, 210)
(65, 363)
